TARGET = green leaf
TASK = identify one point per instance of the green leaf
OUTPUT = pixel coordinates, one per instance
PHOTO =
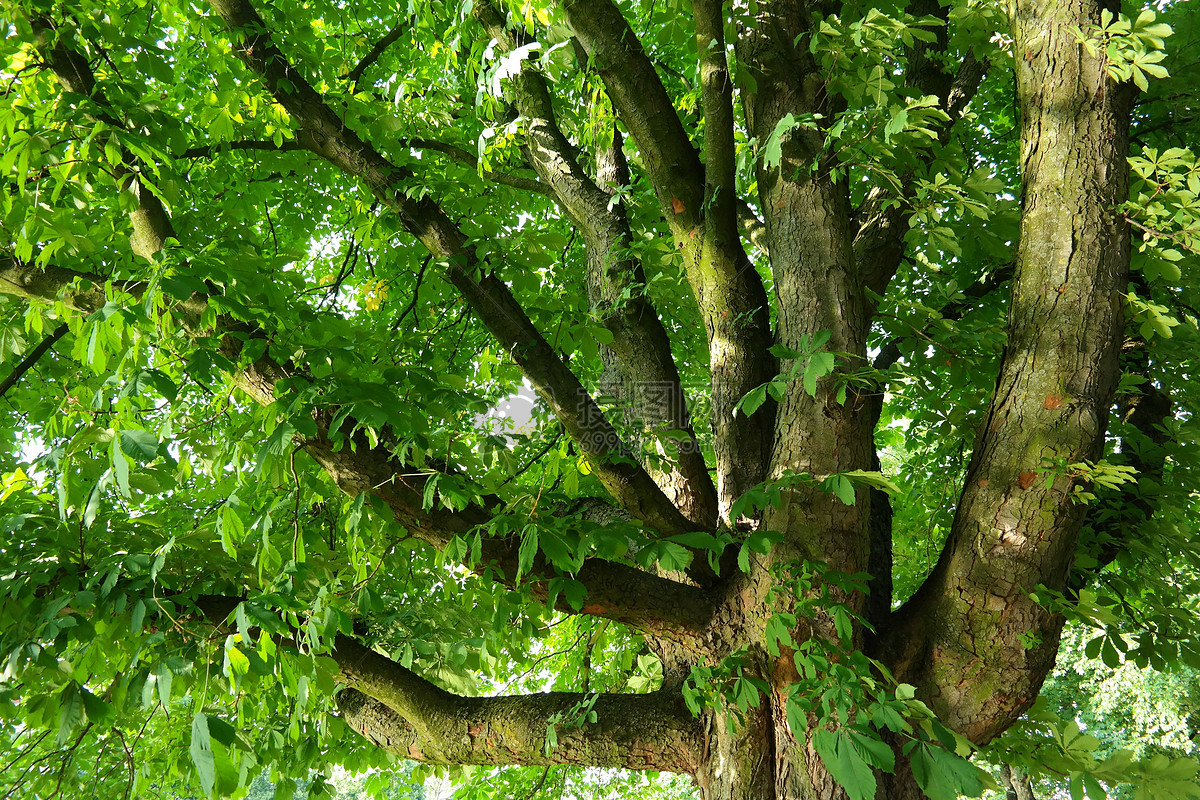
(70, 712)
(120, 468)
(943, 775)
(280, 440)
(202, 755)
(139, 445)
(753, 400)
(874, 479)
(527, 551)
(841, 487)
(845, 764)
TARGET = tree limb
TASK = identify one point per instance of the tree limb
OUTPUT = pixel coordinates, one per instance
(727, 287)
(209, 150)
(645, 107)
(151, 225)
(1016, 525)
(402, 712)
(399, 710)
(359, 469)
(649, 603)
(488, 296)
(377, 50)
(457, 153)
(641, 348)
(466, 157)
(32, 358)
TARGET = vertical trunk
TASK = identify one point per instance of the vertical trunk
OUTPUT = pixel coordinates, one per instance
(971, 639)
(759, 759)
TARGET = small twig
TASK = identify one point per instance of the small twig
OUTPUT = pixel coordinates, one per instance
(271, 223)
(204, 151)
(375, 52)
(296, 512)
(542, 658)
(416, 290)
(1175, 237)
(534, 460)
(537, 786)
(32, 358)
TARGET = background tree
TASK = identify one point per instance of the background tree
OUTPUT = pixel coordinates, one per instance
(849, 396)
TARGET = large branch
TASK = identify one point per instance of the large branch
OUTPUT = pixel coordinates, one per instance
(700, 206)
(399, 710)
(151, 225)
(804, 200)
(487, 295)
(654, 605)
(651, 604)
(390, 38)
(32, 357)
(406, 714)
(720, 165)
(641, 350)
(670, 159)
(982, 661)
(452, 151)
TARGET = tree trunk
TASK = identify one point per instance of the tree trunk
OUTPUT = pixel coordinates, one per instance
(758, 759)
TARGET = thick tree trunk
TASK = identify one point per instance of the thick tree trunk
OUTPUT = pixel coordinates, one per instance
(759, 759)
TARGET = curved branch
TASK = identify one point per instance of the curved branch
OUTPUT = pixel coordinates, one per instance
(209, 150)
(397, 709)
(1016, 526)
(390, 38)
(632, 731)
(463, 156)
(645, 107)
(151, 224)
(646, 602)
(487, 295)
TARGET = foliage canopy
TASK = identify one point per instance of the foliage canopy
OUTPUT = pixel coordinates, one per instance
(862, 334)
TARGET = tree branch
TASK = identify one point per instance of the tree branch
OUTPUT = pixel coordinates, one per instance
(376, 51)
(728, 289)
(466, 157)
(399, 710)
(641, 349)
(209, 150)
(488, 296)
(1016, 525)
(151, 225)
(405, 714)
(32, 358)
(457, 153)
(648, 603)
(645, 107)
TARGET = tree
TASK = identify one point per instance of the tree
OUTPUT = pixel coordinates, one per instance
(849, 393)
